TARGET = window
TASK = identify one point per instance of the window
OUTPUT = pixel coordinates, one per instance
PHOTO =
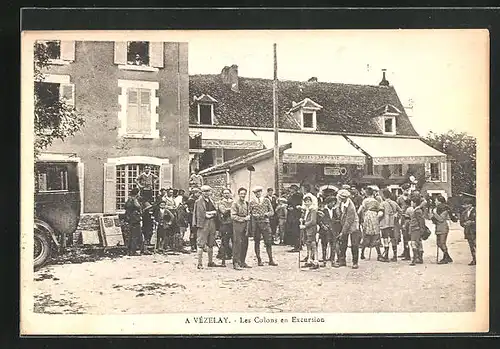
(308, 120)
(205, 113)
(369, 166)
(52, 178)
(58, 52)
(55, 88)
(290, 169)
(397, 170)
(390, 125)
(125, 181)
(377, 170)
(138, 114)
(218, 156)
(138, 53)
(435, 169)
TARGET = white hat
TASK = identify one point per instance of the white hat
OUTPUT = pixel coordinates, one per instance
(344, 193)
(205, 188)
(257, 188)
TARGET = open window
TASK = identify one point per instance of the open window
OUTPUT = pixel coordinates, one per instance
(205, 114)
(58, 52)
(55, 88)
(52, 178)
(139, 55)
(389, 125)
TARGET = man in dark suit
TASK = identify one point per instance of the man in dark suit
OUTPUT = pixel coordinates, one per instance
(468, 221)
(329, 224)
(294, 213)
(273, 221)
(204, 219)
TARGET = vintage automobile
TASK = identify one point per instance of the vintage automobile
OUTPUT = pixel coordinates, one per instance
(57, 204)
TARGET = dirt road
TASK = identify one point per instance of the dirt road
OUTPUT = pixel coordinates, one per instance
(166, 284)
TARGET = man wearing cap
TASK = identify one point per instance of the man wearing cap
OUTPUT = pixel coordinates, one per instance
(204, 219)
(329, 223)
(226, 224)
(350, 227)
(294, 206)
(261, 210)
(146, 182)
(195, 194)
(134, 217)
(468, 222)
(240, 216)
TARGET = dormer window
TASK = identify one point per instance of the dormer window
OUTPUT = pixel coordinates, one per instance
(205, 105)
(389, 125)
(386, 116)
(304, 113)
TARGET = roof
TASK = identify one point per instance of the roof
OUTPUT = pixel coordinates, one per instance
(243, 161)
(346, 107)
(397, 150)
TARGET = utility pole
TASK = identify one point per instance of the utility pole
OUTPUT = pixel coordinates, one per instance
(276, 125)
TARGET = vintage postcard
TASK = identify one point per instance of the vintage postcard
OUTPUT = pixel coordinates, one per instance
(272, 182)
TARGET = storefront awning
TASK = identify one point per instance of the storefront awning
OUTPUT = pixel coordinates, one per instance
(314, 148)
(390, 151)
(228, 138)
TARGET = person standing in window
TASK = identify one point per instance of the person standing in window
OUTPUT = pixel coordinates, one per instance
(261, 209)
(468, 222)
(134, 219)
(440, 216)
(204, 219)
(146, 182)
(196, 180)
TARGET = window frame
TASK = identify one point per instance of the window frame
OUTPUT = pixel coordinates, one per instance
(148, 57)
(314, 121)
(291, 168)
(393, 124)
(438, 179)
(54, 190)
(154, 102)
(211, 113)
(127, 181)
(61, 60)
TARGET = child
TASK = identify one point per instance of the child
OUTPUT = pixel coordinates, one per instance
(416, 224)
(164, 219)
(310, 228)
(182, 224)
(281, 211)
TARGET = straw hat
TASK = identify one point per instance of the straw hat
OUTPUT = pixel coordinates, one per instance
(344, 193)
(205, 188)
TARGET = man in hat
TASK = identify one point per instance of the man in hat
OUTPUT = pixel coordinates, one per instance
(226, 225)
(261, 210)
(280, 214)
(294, 213)
(468, 222)
(134, 217)
(204, 219)
(195, 194)
(350, 227)
(273, 220)
(146, 182)
(240, 216)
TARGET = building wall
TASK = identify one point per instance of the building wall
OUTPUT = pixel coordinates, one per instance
(262, 176)
(435, 187)
(95, 76)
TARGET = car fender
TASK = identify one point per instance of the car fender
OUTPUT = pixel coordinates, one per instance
(45, 226)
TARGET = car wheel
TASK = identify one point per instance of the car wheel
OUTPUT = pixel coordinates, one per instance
(41, 248)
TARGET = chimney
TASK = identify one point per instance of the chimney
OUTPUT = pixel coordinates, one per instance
(313, 79)
(384, 81)
(229, 76)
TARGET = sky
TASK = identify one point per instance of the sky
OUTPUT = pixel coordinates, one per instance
(444, 72)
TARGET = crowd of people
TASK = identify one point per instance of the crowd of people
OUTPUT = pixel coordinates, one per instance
(367, 218)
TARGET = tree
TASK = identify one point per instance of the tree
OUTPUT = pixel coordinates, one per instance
(461, 149)
(54, 118)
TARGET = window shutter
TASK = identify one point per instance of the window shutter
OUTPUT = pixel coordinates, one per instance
(156, 54)
(145, 111)
(120, 52)
(81, 176)
(133, 117)
(444, 172)
(67, 93)
(166, 174)
(109, 188)
(68, 51)
(427, 170)
(219, 156)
